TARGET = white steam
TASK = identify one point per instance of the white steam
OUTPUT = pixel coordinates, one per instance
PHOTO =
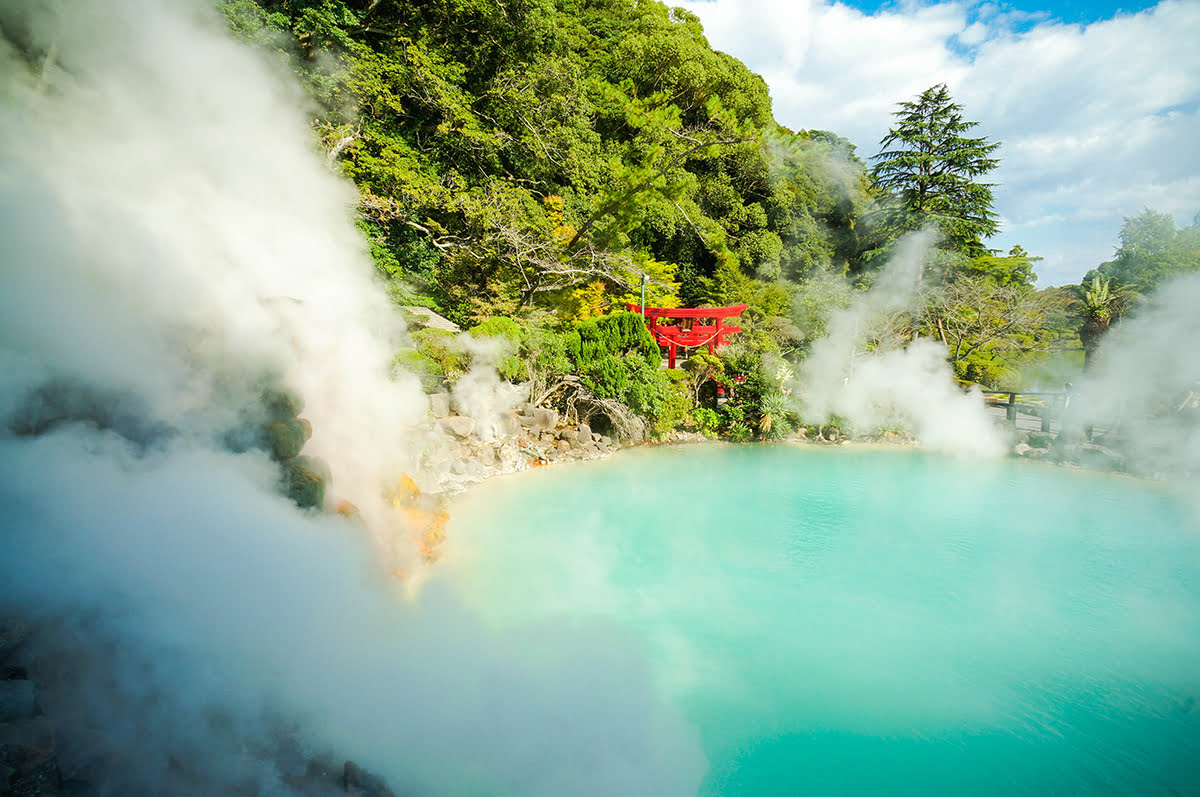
(170, 235)
(480, 393)
(1143, 396)
(913, 386)
(172, 245)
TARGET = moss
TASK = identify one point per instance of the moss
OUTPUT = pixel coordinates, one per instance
(305, 480)
(285, 438)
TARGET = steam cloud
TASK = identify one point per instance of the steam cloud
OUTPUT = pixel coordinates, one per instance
(171, 245)
(913, 385)
(1143, 397)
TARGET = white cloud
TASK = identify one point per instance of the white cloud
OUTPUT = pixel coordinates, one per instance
(1097, 121)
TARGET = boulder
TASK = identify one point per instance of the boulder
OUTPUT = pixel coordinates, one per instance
(606, 441)
(564, 446)
(439, 404)
(1098, 457)
(508, 424)
(1039, 439)
(509, 455)
(545, 419)
(460, 426)
(18, 701)
(569, 435)
(585, 432)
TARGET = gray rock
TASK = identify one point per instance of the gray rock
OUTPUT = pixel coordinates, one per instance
(1039, 439)
(1100, 458)
(439, 404)
(606, 440)
(564, 446)
(18, 701)
(596, 437)
(508, 424)
(570, 435)
(545, 419)
(487, 456)
(527, 420)
(509, 455)
(1021, 449)
(585, 432)
(460, 426)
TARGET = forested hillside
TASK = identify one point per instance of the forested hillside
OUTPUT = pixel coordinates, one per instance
(541, 154)
(541, 160)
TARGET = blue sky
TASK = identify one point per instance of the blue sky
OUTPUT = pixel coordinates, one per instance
(1072, 11)
(1097, 105)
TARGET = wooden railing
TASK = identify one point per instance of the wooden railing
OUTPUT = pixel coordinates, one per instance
(1047, 410)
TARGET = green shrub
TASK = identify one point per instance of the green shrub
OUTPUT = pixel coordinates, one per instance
(618, 333)
(706, 421)
(498, 327)
(732, 414)
(440, 347)
(413, 361)
(739, 432)
(773, 421)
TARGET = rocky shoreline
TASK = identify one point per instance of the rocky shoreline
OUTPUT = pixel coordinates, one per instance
(460, 451)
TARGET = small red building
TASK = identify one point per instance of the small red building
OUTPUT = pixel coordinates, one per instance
(688, 327)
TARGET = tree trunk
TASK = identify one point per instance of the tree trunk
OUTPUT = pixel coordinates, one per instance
(1089, 335)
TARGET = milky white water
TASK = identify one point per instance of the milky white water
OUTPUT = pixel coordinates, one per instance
(861, 621)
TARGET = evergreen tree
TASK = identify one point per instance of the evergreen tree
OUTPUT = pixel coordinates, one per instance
(930, 168)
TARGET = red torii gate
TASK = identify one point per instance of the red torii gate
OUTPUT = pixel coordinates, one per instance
(687, 332)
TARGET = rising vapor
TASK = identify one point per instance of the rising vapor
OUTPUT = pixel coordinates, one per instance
(913, 386)
(173, 247)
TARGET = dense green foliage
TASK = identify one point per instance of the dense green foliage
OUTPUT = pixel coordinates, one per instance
(527, 168)
(1152, 250)
(550, 153)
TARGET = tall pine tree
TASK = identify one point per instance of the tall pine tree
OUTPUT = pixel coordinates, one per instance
(930, 168)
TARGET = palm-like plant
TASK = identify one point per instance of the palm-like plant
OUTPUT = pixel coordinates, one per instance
(1098, 304)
